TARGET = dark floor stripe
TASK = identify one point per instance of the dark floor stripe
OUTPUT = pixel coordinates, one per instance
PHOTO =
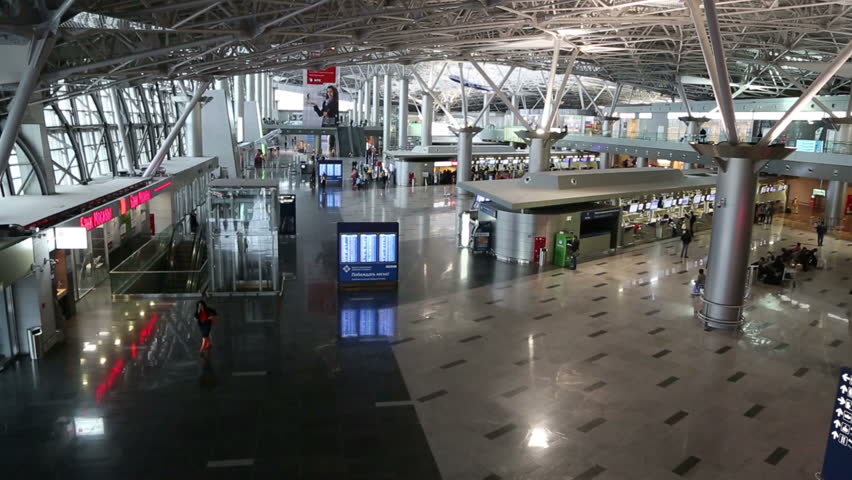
(511, 393)
(558, 274)
(547, 300)
(493, 476)
(432, 396)
(801, 372)
(599, 314)
(643, 272)
(590, 473)
(723, 349)
(420, 320)
(500, 431)
(682, 272)
(841, 304)
(753, 411)
(588, 427)
(482, 319)
(652, 312)
(781, 346)
(525, 361)
(775, 457)
(553, 286)
(453, 364)
(662, 353)
(637, 254)
(596, 357)
(598, 299)
(543, 315)
(665, 383)
(641, 263)
(647, 297)
(835, 343)
(470, 339)
(686, 466)
(736, 377)
(539, 335)
(814, 323)
(599, 264)
(492, 302)
(599, 274)
(600, 285)
(597, 334)
(594, 386)
(402, 340)
(656, 331)
(680, 415)
(677, 262)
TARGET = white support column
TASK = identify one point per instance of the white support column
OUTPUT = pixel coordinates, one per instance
(603, 160)
(194, 132)
(835, 203)
(465, 157)
(367, 101)
(402, 121)
(539, 155)
(386, 114)
(641, 162)
(374, 106)
(486, 109)
(426, 126)
(356, 108)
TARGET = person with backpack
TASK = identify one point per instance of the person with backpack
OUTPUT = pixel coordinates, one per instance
(205, 317)
(686, 239)
(821, 230)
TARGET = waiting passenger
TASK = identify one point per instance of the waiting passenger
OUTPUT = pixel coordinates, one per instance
(686, 239)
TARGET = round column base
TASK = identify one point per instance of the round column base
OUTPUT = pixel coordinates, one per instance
(731, 317)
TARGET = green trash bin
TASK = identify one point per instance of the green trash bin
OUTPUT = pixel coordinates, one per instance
(561, 256)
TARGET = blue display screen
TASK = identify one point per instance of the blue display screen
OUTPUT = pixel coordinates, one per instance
(368, 251)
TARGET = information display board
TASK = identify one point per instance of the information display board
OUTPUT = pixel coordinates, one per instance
(332, 169)
(838, 454)
(367, 252)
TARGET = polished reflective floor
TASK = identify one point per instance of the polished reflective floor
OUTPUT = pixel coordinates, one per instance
(473, 369)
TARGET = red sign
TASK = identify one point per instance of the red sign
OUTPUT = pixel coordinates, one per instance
(321, 77)
(139, 198)
(96, 219)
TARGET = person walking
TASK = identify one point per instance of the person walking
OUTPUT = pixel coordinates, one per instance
(574, 247)
(686, 239)
(821, 230)
(692, 218)
(770, 212)
(205, 316)
(796, 205)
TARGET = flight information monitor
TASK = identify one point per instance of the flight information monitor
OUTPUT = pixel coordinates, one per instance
(368, 252)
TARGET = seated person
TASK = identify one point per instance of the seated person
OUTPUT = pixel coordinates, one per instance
(775, 272)
(786, 255)
(801, 258)
(797, 247)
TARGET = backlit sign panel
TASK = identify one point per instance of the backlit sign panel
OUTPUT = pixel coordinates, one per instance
(96, 219)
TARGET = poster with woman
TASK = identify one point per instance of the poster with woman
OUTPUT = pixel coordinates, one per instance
(322, 99)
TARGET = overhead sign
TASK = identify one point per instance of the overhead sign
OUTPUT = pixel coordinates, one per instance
(367, 252)
(838, 454)
(71, 238)
(469, 84)
(610, 212)
(97, 218)
(322, 77)
(818, 192)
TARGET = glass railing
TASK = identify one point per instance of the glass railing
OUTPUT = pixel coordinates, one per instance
(158, 281)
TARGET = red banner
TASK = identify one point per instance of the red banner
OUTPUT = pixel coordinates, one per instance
(322, 77)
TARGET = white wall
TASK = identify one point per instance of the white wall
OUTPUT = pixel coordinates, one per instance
(217, 138)
(34, 299)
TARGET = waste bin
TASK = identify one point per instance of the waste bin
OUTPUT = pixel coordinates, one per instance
(542, 257)
(34, 340)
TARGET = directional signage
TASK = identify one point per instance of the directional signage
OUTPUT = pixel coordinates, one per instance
(367, 252)
(838, 453)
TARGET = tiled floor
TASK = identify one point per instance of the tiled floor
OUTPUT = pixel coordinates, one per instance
(486, 370)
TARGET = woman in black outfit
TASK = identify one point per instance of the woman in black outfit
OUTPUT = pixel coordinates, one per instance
(205, 316)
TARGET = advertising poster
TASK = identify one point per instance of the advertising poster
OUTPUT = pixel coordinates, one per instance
(321, 98)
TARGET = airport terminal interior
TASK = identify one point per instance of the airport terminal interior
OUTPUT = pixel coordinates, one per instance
(426, 239)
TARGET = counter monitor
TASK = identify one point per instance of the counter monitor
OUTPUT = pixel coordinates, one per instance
(667, 202)
(633, 207)
(711, 197)
(640, 207)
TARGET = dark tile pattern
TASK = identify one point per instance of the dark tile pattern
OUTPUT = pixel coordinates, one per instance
(600, 273)
(781, 346)
(500, 431)
(470, 339)
(652, 312)
(598, 299)
(432, 396)
(590, 473)
(680, 415)
(662, 353)
(594, 386)
(484, 318)
(665, 383)
(656, 331)
(453, 364)
(552, 286)
(754, 410)
(591, 425)
(526, 361)
(511, 393)
(597, 334)
(600, 285)
(546, 300)
(402, 340)
(543, 315)
(722, 350)
(686, 466)
(801, 372)
(835, 343)
(597, 315)
(736, 377)
(775, 457)
(596, 357)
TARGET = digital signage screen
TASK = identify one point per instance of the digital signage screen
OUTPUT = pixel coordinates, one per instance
(633, 208)
(368, 252)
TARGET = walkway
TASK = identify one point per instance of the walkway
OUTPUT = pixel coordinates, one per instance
(491, 370)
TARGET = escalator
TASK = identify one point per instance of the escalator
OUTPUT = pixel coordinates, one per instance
(350, 141)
